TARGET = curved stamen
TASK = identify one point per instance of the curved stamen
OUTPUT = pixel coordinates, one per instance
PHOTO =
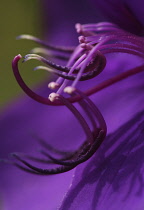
(94, 68)
(74, 57)
(25, 88)
(89, 29)
(92, 56)
(41, 42)
(88, 148)
(123, 37)
(58, 170)
(101, 25)
(86, 76)
(95, 111)
(49, 53)
(79, 117)
(86, 62)
(123, 46)
(70, 72)
(72, 99)
(132, 52)
(46, 61)
(84, 154)
(114, 80)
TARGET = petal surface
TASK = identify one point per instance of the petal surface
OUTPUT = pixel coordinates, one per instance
(113, 178)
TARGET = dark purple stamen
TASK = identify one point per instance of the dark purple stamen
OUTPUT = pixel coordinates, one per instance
(41, 42)
(87, 149)
(93, 69)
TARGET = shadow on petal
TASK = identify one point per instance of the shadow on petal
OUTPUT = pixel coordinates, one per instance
(113, 178)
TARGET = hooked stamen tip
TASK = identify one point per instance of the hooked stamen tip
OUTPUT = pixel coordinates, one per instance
(19, 56)
(24, 36)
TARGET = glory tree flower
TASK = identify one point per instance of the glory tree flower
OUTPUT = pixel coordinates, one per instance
(86, 62)
(90, 177)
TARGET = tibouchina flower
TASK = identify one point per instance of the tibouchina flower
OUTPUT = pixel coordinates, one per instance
(113, 178)
(86, 61)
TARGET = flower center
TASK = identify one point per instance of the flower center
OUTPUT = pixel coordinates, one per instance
(86, 61)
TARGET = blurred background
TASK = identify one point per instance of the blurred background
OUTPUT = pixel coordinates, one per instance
(17, 17)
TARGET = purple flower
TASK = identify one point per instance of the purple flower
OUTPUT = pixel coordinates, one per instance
(112, 178)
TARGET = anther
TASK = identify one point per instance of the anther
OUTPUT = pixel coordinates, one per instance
(53, 85)
(70, 90)
(81, 39)
(54, 97)
(78, 27)
(86, 46)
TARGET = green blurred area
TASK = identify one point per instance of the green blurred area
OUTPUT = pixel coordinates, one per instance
(17, 17)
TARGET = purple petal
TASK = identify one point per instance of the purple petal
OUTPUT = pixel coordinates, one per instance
(129, 15)
(24, 191)
(113, 178)
(19, 190)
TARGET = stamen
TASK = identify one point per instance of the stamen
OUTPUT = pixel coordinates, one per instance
(92, 57)
(95, 111)
(54, 97)
(81, 39)
(53, 85)
(114, 80)
(61, 169)
(79, 30)
(86, 46)
(48, 62)
(69, 90)
(70, 72)
(131, 47)
(39, 41)
(93, 68)
(84, 153)
(75, 56)
(119, 37)
(78, 27)
(122, 50)
(25, 88)
(79, 118)
(91, 91)
(49, 53)
(87, 61)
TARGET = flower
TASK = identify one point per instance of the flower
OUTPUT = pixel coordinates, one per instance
(86, 62)
(87, 177)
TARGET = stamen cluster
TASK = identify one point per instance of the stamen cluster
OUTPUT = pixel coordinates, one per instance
(85, 61)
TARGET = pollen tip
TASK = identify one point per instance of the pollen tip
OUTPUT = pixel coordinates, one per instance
(20, 37)
(24, 36)
(69, 90)
(78, 27)
(53, 85)
(85, 46)
(53, 97)
(81, 39)
(19, 55)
